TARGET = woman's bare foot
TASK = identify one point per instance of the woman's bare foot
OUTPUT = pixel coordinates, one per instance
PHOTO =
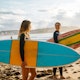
(62, 77)
(55, 77)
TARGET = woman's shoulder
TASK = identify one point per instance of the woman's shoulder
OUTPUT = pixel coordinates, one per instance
(25, 36)
(22, 35)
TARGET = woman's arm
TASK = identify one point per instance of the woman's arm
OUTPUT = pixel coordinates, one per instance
(55, 37)
(22, 43)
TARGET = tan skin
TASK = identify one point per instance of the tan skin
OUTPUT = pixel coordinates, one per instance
(57, 27)
(26, 71)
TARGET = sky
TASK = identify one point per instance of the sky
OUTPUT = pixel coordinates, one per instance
(42, 13)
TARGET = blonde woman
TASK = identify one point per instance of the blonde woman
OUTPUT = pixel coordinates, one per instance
(24, 35)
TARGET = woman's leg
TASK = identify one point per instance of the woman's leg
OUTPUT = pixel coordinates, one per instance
(33, 73)
(25, 72)
(54, 71)
(61, 73)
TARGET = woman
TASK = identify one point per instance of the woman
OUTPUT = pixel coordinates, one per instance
(24, 35)
(55, 37)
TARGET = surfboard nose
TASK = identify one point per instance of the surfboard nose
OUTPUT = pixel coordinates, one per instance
(52, 54)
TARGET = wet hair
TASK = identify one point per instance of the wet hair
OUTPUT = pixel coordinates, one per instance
(24, 26)
(57, 23)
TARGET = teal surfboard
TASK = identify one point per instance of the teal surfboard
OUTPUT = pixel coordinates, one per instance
(37, 53)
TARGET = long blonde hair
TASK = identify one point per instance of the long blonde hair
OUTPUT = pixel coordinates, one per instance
(24, 26)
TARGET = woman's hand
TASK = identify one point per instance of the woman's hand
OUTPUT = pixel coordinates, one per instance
(23, 64)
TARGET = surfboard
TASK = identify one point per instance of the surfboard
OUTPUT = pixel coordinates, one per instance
(37, 53)
(71, 39)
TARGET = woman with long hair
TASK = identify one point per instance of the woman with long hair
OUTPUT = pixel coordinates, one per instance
(24, 35)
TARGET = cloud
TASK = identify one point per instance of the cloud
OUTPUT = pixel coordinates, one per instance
(12, 12)
(42, 14)
(11, 19)
(43, 10)
(1, 26)
(5, 12)
(76, 19)
(66, 20)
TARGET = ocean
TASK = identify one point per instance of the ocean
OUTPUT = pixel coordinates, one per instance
(39, 37)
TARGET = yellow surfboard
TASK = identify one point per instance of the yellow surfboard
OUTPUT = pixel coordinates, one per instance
(71, 38)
